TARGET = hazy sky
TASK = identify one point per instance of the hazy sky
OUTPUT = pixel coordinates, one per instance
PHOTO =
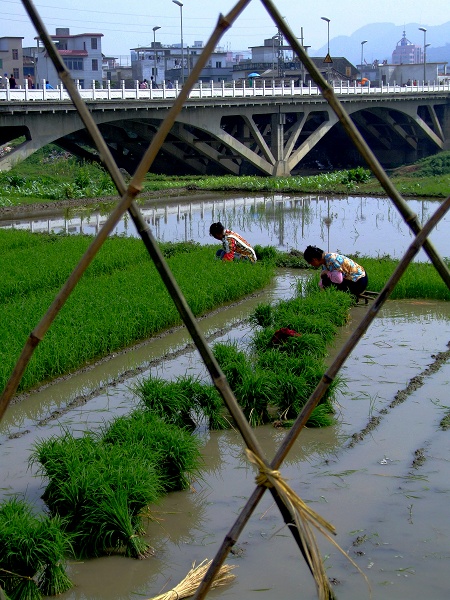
(129, 24)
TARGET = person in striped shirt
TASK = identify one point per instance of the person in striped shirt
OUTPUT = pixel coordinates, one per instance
(352, 277)
(234, 247)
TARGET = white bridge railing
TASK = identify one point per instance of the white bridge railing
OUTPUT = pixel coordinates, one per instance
(211, 90)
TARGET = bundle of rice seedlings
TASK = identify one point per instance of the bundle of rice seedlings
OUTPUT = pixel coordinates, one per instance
(84, 478)
(166, 399)
(32, 553)
(308, 344)
(66, 462)
(174, 451)
(233, 362)
(266, 253)
(291, 396)
(207, 402)
(262, 315)
(113, 526)
(190, 583)
(55, 547)
(309, 324)
(255, 393)
(19, 562)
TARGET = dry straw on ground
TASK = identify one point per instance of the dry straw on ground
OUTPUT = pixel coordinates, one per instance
(190, 583)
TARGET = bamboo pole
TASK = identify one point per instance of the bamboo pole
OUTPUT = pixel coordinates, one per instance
(410, 218)
(328, 377)
(128, 194)
(127, 203)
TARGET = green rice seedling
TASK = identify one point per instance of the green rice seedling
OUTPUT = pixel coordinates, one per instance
(32, 552)
(266, 253)
(291, 394)
(113, 527)
(32, 278)
(65, 461)
(321, 416)
(207, 402)
(233, 362)
(305, 324)
(84, 476)
(309, 344)
(262, 340)
(127, 485)
(255, 393)
(168, 400)
(262, 315)
(53, 579)
(176, 452)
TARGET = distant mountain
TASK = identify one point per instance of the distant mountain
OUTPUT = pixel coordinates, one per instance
(382, 38)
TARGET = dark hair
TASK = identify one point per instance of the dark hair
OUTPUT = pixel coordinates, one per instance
(312, 252)
(216, 229)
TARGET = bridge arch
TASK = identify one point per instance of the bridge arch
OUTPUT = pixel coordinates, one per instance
(267, 134)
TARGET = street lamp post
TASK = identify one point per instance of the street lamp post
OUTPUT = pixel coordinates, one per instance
(362, 57)
(424, 53)
(155, 29)
(328, 57)
(180, 4)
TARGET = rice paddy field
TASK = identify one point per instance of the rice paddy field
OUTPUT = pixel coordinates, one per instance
(73, 447)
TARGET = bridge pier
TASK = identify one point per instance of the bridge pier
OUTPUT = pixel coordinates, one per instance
(268, 135)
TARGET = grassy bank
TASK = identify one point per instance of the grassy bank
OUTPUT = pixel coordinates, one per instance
(120, 300)
(49, 177)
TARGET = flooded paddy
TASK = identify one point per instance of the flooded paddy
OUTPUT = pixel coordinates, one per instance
(365, 225)
(381, 474)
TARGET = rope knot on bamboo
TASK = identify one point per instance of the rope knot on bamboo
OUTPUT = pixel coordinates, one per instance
(266, 476)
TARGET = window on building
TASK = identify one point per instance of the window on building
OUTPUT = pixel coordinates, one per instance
(74, 64)
(218, 64)
(94, 43)
(1, 64)
(15, 54)
(62, 45)
(16, 73)
(94, 64)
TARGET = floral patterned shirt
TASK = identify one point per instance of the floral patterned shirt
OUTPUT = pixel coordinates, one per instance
(232, 242)
(347, 266)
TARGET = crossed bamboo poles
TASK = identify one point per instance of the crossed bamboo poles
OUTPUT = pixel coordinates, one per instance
(127, 202)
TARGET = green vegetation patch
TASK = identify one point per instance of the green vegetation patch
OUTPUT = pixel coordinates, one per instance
(420, 280)
(33, 552)
(67, 177)
(120, 300)
(102, 485)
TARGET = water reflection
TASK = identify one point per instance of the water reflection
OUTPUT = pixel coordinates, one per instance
(365, 225)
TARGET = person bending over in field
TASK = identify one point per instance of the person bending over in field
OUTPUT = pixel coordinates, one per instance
(234, 247)
(338, 271)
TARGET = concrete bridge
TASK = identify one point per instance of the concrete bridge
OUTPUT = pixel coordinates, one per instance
(267, 130)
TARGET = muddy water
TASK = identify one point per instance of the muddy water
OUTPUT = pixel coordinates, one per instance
(391, 510)
(368, 225)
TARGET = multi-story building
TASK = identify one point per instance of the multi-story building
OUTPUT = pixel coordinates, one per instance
(81, 53)
(276, 61)
(406, 52)
(174, 63)
(11, 59)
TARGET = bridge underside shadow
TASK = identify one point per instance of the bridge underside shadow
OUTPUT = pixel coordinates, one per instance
(264, 139)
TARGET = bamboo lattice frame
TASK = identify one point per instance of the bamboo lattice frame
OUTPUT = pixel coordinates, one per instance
(127, 203)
